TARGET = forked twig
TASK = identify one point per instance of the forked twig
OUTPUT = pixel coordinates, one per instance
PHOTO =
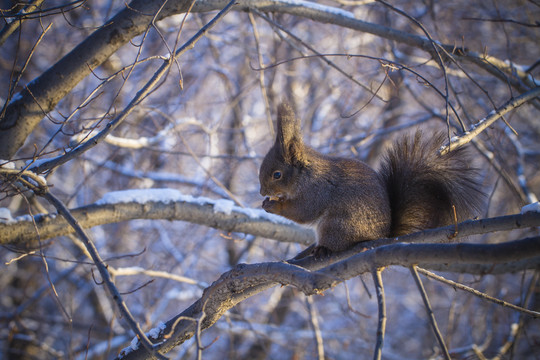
(484, 123)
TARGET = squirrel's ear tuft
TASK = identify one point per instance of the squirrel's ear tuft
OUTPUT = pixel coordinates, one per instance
(289, 137)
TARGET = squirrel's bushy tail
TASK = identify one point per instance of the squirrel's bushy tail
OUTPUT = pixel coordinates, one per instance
(423, 186)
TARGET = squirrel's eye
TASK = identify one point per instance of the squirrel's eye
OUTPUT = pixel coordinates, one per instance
(276, 175)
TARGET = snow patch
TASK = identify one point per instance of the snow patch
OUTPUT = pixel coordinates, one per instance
(534, 207)
(142, 196)
(318, 7)
(134, 345)
(5, 216)
(32, 164)
(154, 333)
(224, 206)
(6, 164)
(18, 96)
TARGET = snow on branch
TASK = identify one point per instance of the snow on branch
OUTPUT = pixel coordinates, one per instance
(484, 123)
(166, 204)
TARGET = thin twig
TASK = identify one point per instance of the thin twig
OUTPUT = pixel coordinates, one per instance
(430, 313)
(480, 294)
(314, 321)
(519, 326)
(435, 54)
(381, 326)
(319, 55)
(264, 93)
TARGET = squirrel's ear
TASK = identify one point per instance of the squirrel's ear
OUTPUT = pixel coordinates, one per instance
(289, 137)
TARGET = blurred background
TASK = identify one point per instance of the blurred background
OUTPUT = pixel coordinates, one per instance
(211, 118)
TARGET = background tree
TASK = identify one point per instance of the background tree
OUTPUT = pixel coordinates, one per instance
(174, 101)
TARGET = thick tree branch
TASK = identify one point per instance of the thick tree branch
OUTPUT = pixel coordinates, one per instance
(41, 96)
(223, 215)
(247, 280)
(201, 211)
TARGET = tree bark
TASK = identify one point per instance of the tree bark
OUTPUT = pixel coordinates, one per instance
(50, 225)
(41, 96)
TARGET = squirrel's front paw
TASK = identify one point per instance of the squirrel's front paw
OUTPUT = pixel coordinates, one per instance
(321, 252)
(271, 206)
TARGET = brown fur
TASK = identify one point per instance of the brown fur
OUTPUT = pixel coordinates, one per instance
(349, 202)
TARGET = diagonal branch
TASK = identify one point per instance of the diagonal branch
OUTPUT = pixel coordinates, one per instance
(41, 96)
(245, 280)
(105, 275)
(429, 311)
(17, 20)
(140, 96)
(480, 294)
(484, 123)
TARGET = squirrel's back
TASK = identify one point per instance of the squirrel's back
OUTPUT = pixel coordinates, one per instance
(426, 189)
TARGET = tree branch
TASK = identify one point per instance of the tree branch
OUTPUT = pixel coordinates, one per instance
(219, 214)
(480, 294)
(15, 23)
(381, 303)
(484, 123)
(223, 215)
(429, 312)
(102, 268)
(136, 100)
(40, 96)
(245, 281)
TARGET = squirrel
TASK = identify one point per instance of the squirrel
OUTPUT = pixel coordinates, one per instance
(416, 188)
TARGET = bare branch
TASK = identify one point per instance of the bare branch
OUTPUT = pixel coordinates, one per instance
(25, 111)
(429, 311)
(140, 96)
(491, 118)
(40, 96)
(102, 268)
(480, 294)
(245, 281)
(17, 20)
(201, 211)
(381, 303)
